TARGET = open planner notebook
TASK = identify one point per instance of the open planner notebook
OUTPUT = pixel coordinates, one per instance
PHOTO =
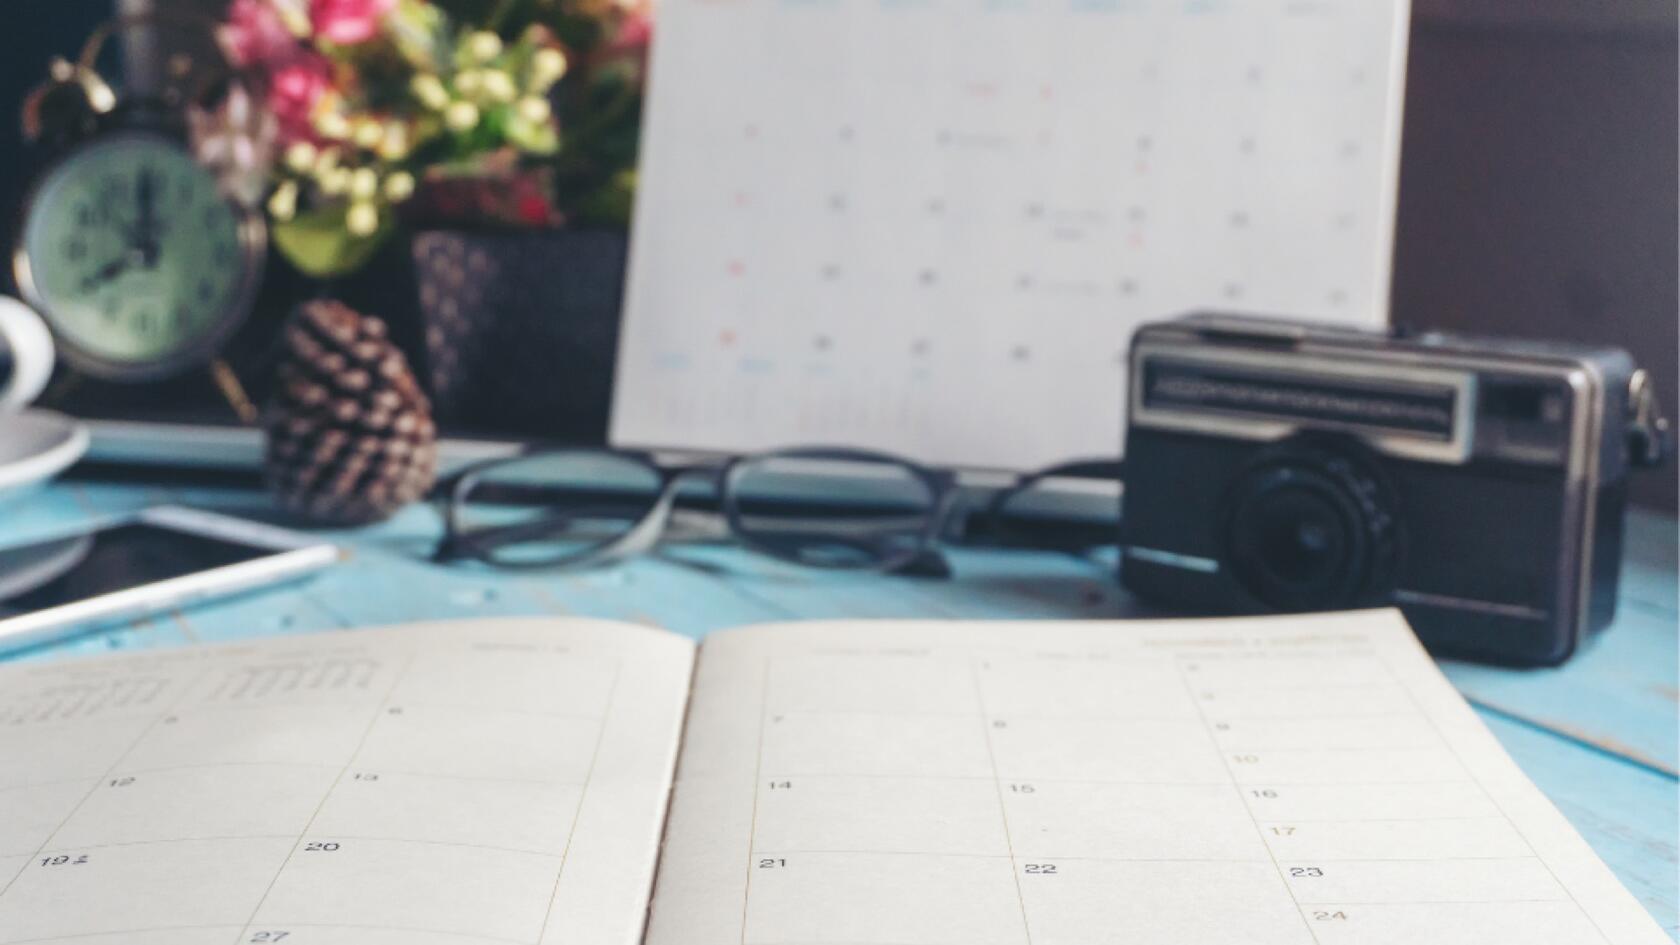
(1280, 780)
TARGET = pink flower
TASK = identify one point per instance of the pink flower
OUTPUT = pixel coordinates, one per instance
(629, 41)
(633, 34)
(533, 210)
(254, 34)
(348, 22)
(293, 92)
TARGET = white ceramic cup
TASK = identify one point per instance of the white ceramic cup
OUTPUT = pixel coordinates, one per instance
(26, 354)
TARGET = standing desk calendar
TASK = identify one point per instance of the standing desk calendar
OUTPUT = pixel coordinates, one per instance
(930, 226)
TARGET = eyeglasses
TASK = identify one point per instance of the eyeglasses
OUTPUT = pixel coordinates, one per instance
(1070, 507)
(826, 508)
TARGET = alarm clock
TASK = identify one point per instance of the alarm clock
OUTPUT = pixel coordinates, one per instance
(137, 258)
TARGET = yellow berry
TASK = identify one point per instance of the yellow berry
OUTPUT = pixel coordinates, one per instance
(429, 89)
(394, 145)
(362, 219)
(282, 205)
(499, 85)
(369, 132)
(399, 186)
(335, 181)
(364, 183)
(294, 18)
(547, 66)
(300, 156)
(534, 109)
(332, 125)
(461, 116)
(484, 46)
(469, 82)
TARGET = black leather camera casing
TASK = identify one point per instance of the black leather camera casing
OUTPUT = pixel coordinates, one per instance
(1480, 485)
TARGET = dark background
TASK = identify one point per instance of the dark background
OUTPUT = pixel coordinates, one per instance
(1538, 179)
(1539, 173)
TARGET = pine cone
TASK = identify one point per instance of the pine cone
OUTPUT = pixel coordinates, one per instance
(350, 433)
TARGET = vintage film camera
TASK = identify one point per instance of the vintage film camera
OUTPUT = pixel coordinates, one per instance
(1478, 484)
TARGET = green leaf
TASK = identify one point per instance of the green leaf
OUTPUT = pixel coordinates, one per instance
(320, 244)
(609, 205)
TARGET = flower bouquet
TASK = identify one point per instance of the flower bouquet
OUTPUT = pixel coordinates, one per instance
(509, 113)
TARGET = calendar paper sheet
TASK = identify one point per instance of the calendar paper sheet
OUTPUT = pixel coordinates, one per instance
(930, 226)
(1273, 781)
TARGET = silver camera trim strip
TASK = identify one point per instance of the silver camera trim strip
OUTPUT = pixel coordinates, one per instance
(1257, 426)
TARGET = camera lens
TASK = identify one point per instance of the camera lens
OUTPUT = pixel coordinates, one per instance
(1309, 528)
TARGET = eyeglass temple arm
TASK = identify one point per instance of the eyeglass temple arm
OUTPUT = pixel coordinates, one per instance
(644, 535)
(1112, 469)
(928, 563)
(482, 542)
(486, 540)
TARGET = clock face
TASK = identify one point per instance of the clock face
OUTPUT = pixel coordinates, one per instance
(134, 256)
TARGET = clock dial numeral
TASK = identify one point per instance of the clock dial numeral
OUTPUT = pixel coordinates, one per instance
(92, 216)
(112, 189)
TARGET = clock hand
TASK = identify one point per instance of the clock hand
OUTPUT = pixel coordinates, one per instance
(146, 222)
(106, 273)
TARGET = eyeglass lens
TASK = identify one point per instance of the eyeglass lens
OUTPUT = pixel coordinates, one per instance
(831, 512)
(551, 507)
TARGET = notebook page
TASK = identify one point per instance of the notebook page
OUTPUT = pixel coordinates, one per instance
(436, 784)
(1263, 781)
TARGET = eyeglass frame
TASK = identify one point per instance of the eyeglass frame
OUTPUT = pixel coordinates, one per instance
(644, 535)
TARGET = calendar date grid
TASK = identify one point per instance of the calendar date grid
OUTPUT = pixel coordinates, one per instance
(316, 760)
(1303, 852)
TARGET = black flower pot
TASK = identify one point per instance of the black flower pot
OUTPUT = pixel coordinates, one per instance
(521, 329)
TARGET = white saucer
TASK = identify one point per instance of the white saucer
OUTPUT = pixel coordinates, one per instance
(36, 445)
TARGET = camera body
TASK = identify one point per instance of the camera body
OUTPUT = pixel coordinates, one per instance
(1478, 484)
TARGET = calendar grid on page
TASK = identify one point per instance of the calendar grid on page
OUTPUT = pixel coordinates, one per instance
(1019, 798)
(371, 792)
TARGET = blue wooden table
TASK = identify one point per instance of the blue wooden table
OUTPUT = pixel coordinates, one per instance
(1599, 736)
